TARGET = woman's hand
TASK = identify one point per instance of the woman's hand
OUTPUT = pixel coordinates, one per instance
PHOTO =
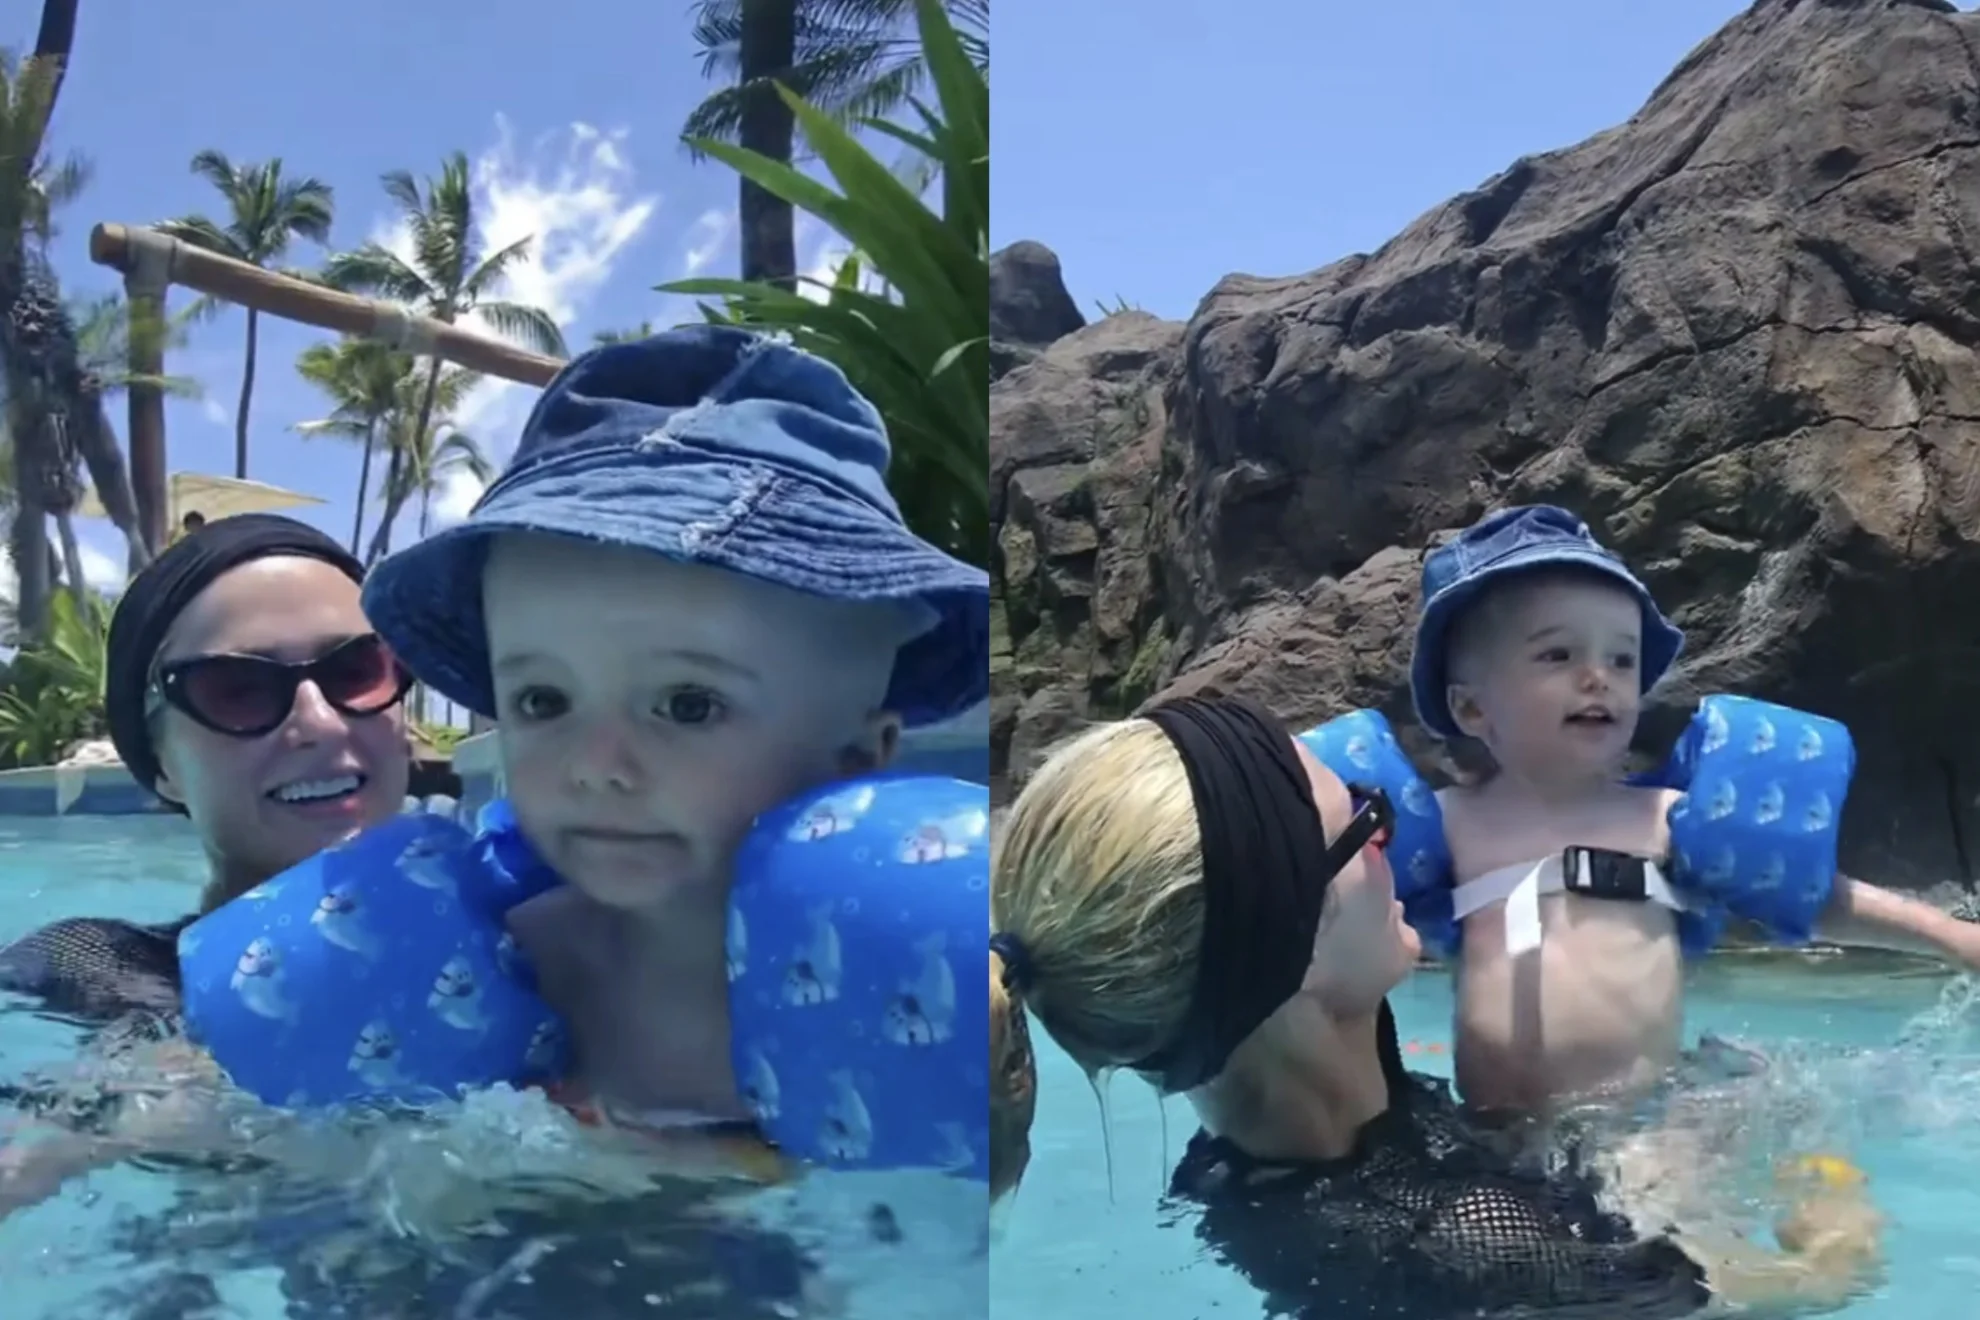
(168, 1099)
(37, 1160)
(1832, 1228)
(1831, 1239)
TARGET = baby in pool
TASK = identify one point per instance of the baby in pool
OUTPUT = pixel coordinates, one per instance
(689, 597)
(1540, 644)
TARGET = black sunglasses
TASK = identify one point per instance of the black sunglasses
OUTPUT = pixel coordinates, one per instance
(246, 696)
(1374, 822)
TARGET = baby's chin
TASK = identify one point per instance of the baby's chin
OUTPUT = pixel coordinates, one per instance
(668, 875)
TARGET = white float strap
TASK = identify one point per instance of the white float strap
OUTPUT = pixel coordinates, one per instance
(1521, 886)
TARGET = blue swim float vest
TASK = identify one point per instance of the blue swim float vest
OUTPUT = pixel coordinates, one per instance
(380, 971)
(1755, 833)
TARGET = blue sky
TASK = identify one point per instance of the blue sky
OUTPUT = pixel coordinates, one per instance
(1159, 147)
(571, 128)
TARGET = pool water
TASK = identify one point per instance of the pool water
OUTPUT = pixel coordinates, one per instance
(1873, 1057)
(383, 1223)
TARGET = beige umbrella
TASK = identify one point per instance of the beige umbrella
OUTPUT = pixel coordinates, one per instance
(214, 497)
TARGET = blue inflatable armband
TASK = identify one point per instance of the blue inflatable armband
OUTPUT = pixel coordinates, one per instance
(1757, 829)
(1361, 748)
(376, 970)
(858, 970)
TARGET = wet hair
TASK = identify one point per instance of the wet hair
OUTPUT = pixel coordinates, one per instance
(1013, 1081)
(1098, 874)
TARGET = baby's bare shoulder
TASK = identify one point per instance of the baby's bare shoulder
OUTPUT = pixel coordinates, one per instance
(1464, 800)
(1485, 831)
(1642, 798)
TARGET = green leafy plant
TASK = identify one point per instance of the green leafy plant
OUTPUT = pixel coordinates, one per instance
(52, 696)
(906, 315)
(442, 738)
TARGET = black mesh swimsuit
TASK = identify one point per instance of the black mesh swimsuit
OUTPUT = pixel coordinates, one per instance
(117, 980)
(1423, 1221)
(97, 970)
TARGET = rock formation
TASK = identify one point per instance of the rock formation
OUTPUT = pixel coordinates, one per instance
(1737, 333)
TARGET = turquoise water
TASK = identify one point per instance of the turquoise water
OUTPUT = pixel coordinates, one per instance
(442, 1220)
(1877, 1058)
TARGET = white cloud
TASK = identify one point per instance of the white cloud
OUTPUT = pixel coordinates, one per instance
(707, 238)
(821, 252)
(102, 571)
(574, 193)
(705, 243)
(210, 409)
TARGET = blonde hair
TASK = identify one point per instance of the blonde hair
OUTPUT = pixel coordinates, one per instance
(1098, 874)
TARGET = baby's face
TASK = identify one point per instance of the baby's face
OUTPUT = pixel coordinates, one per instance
(649, 711)
(1556, 683)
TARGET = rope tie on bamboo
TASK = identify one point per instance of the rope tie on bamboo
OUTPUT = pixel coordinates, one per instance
(148, 262)
(397, 327)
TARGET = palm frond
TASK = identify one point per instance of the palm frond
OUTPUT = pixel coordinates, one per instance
(377, 270)
(531, 327)
(107, 326)
(852, 59)
(201, 232)
(488, 275)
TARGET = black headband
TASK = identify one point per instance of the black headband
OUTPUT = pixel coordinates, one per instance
(1265, 876)
(156, 597)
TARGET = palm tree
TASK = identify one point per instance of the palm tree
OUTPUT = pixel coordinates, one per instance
(266, 212)
(448, 277)
(853, 59)
(365, 381)
(443, 452)
(412, 447)
(105, 328)
(9, 629)
(39, 348)
(58, 424)
(766, 50)
(443, 455)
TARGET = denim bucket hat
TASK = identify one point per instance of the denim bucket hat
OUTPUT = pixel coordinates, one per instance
(1515, 540)
(705, 445)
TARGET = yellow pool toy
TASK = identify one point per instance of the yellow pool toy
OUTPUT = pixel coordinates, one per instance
(1829, 1170)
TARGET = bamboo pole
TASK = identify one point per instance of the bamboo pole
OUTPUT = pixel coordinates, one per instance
(126, 247)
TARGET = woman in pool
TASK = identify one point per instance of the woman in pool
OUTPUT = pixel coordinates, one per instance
(1191, 896)
(246, 690)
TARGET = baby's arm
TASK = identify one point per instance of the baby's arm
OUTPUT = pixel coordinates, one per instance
(1862, 914)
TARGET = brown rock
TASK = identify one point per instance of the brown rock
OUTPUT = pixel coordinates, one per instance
(1028, 299)
(1737, 333)
(1075, 449)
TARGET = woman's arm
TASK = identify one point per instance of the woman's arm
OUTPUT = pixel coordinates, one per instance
(1829, 1238)
(1831, 1252)
(178, 1108)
